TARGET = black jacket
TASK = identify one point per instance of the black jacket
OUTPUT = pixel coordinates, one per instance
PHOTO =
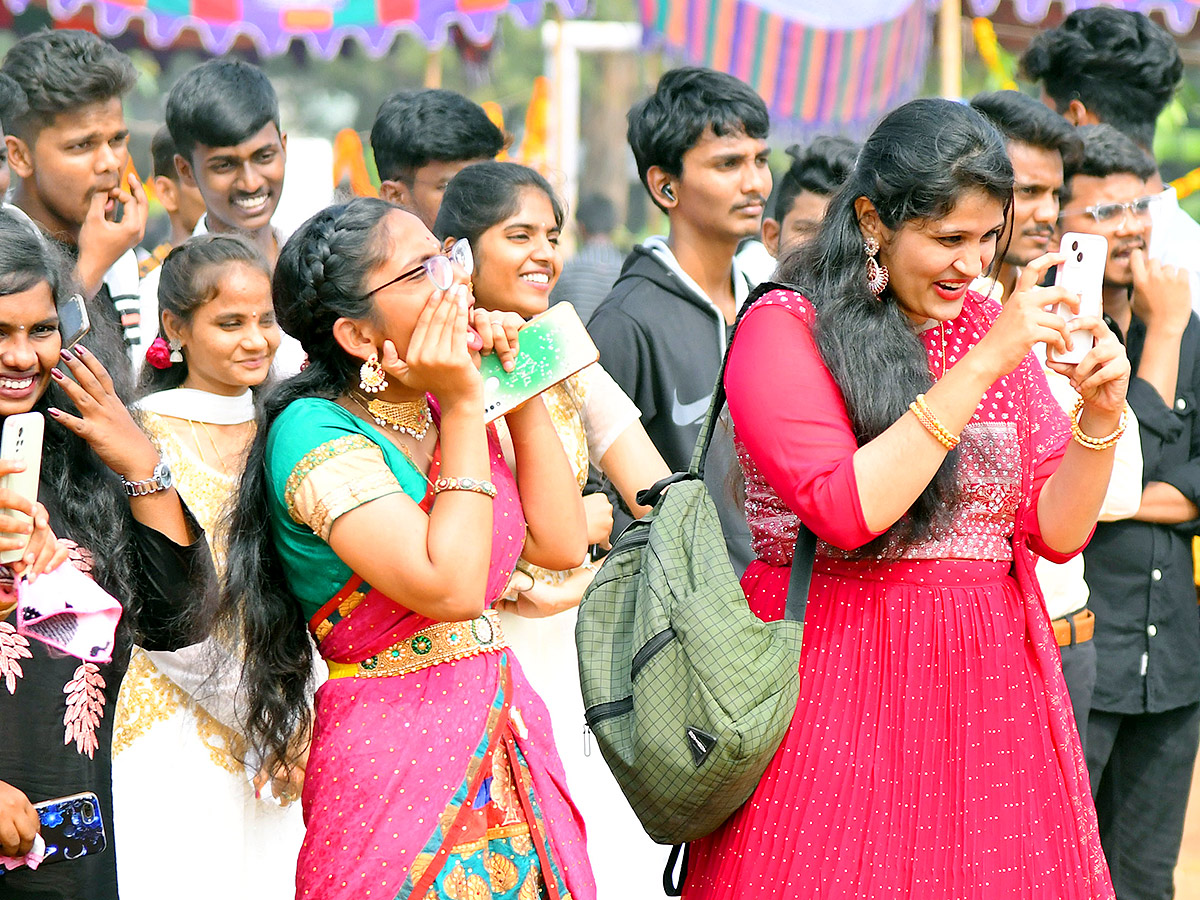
(663, 344)
(1140, 573)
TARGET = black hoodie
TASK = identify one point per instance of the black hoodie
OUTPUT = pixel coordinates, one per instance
(663, 343)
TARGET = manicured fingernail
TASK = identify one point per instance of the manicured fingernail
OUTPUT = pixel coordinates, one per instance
(66, 354)
(57, 374)
(54, 411)
(80, 349)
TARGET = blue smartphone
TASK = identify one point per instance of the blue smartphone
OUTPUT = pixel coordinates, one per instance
(72, 827)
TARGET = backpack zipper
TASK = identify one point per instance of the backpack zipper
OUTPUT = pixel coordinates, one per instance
(648, 650)
(601, 711)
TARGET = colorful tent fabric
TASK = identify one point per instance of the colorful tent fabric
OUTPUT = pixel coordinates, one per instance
(322, 24)
(1179, 15)
(817, 76)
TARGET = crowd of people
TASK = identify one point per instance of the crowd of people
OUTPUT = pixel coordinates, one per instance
(345, 664)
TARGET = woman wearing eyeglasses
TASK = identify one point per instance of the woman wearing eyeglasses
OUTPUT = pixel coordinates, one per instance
(394, 523)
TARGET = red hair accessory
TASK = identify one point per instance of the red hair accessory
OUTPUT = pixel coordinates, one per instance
(158, 354)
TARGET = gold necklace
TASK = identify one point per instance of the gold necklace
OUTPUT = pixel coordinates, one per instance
(410, 417)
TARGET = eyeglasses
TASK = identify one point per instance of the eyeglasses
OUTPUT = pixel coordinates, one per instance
(439, 268)
(1109, 212)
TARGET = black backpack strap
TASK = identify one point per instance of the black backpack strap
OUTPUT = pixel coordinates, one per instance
(672, 884)
(802, 566)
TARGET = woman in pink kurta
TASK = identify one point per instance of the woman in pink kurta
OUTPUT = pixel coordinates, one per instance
(932, 753)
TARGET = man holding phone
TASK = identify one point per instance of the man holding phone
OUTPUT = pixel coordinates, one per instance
(1145, 715)
(70, 148)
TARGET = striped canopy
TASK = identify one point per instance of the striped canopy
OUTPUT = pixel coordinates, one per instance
(321, 24)
(1179, 15)
(821, 66)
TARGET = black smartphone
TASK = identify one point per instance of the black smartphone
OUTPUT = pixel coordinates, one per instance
(118, 211)
(72, 827)
(73, 321)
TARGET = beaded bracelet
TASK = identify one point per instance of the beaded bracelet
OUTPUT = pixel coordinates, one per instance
(472, 485)
(1095, 443)
(925, 416)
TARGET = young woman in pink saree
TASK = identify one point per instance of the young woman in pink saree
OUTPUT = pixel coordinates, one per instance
(391, 525)
(902, 417)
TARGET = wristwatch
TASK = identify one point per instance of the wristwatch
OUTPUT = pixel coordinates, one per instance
(161, 480)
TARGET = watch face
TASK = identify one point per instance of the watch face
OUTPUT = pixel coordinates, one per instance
(162, 472)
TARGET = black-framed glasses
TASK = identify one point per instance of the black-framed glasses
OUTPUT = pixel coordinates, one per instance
(1110, 212)
(438, 268)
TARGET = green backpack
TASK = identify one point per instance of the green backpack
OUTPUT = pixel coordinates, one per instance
(687, 691)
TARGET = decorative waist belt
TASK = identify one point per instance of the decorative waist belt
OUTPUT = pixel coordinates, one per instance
(443, 642)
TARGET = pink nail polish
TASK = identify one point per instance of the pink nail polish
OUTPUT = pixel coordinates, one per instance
(57, 374)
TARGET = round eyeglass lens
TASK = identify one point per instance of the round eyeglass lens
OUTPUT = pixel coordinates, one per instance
(461, 256)
(441, 272)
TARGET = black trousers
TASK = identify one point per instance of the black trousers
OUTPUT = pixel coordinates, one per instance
(1079, 672)
(1141, 771)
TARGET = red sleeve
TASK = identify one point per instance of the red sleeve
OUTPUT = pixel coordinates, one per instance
(789, 413)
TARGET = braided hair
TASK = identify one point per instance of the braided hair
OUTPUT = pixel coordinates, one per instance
(320, 277)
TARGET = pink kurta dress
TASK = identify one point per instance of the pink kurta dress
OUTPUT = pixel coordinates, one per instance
(932, 754)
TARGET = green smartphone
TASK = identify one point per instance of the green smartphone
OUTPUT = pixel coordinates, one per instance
(552, 346)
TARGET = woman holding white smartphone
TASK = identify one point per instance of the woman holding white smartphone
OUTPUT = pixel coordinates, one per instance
(108, 497)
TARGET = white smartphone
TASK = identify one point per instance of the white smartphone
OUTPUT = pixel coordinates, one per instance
(1083, 275)
(21, 438)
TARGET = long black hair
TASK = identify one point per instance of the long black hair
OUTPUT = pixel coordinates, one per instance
(84, 496)
(191, 276)
(319, 278)
(916, 166)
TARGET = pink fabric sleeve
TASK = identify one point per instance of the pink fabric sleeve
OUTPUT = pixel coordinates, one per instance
(1050, 432)
(789, 414)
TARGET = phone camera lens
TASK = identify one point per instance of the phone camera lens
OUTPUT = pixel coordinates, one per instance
(1074, 245)
(88, 811)
(1079, 257)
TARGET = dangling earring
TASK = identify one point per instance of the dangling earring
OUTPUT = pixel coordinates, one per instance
(877, 273)
(176, 350)
(371, 377)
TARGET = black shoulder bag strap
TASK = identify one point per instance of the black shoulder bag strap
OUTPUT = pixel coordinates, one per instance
(802, 556)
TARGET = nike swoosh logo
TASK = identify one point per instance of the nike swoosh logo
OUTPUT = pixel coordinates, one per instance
(688, 413)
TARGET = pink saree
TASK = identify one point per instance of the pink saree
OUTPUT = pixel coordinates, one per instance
(401, 767)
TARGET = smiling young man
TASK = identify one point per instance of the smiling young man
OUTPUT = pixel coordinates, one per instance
(223, 116)
(421, 139)
(1144, 726)
(70, 149)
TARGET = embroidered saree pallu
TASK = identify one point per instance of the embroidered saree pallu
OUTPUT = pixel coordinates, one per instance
(432, 771)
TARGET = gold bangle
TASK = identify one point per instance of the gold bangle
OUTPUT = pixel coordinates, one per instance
(471, 485)
(1096, 443)
(925, 416)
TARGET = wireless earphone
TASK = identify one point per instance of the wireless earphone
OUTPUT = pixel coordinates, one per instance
(668, 192)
